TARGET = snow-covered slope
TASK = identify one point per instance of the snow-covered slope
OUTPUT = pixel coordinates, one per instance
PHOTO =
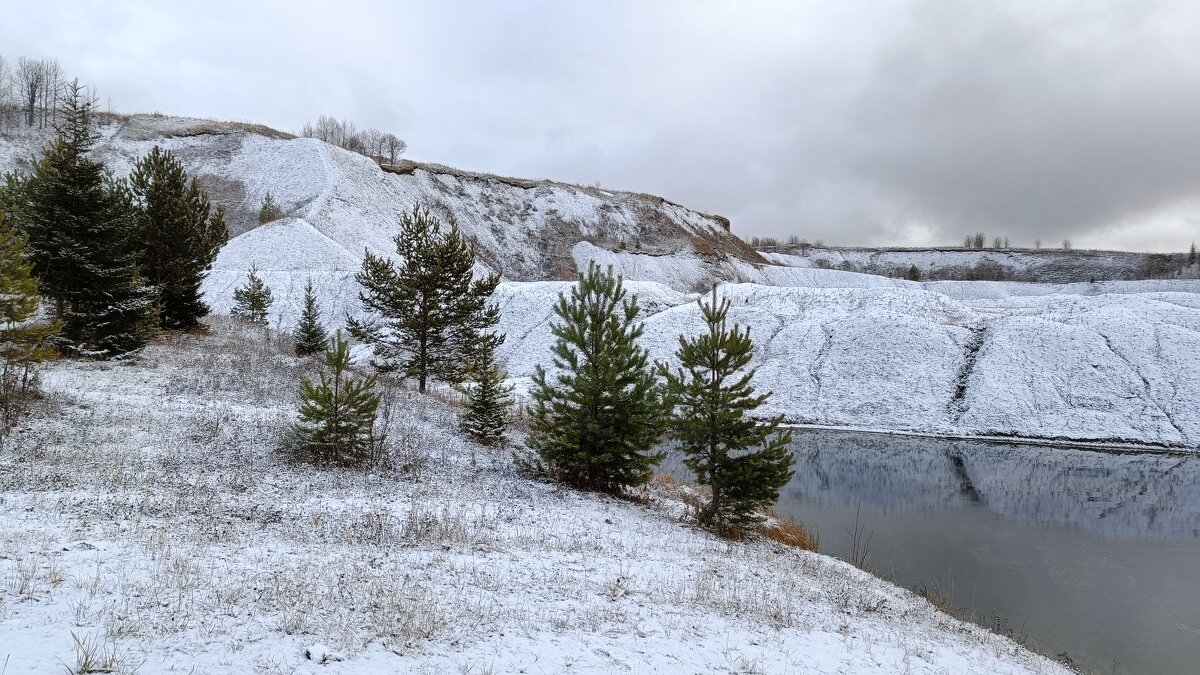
(1111, 367)
(148, 514)
(525, 229)
(1112, 360)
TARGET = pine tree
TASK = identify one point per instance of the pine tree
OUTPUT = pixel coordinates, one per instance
(269, 210)
(23, 341)
(485, 416)
(179, 235)
(310, 336)
(595, 423)
(428, 313)
(914, 273)
(81, 241)
(743, 461)
(337, 413)
(1192, 254)
(251, 301)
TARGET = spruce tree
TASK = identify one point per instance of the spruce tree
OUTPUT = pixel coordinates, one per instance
(595, 423)
(914, 273)
(1192, 254)
(743, 461)
(337, 413)
(179, 235)
(428, 314)
(251, 301)
(269, 210)
(81, 241)
(485, 416)
(310, 336)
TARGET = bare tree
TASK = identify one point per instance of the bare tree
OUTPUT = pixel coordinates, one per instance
(51, 92)
(394, 147)
(997, 243)
(1037, 244)
(1006, 242)
(373, 143)
(6, 88)
(30, 81)
(1066, 244)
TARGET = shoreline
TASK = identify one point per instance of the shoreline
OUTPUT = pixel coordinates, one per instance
(1109, 447)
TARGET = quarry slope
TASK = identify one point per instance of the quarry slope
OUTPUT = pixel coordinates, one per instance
(1110, 361)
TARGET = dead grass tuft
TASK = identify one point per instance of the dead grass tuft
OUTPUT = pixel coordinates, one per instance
(789, 532)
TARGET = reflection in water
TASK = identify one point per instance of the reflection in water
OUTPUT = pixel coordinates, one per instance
(1089, 553)
(1115, 495)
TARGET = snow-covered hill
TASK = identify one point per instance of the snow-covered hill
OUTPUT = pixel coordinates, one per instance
(1118, 366)
(1105, 361)
(524, 229)
(1047, 265)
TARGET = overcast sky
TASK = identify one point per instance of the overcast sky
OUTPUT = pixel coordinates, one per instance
(853, 122)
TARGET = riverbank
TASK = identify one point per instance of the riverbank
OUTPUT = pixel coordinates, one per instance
(1026, 441)
(148, 519)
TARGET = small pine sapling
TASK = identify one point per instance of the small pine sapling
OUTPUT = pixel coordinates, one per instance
(310, 336)
(596, 422)
(744, 462)
(251, 301)
(269, 210)
(485, 416)
(337, 413)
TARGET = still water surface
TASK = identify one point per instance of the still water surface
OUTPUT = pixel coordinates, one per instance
(1092, 554)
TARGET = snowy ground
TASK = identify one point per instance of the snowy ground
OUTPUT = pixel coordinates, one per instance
(146, 513)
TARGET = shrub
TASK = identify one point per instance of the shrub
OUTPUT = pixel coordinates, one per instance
(337, 413)
(269, 210)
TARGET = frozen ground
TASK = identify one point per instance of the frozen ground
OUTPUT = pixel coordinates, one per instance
(146, 514)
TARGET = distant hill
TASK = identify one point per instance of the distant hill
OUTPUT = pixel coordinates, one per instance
(1003, 264)
(525, 229)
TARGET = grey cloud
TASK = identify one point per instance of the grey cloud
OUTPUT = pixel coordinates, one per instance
(855, 122)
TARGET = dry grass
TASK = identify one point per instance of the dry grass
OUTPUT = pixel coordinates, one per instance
(941, 600)
(789, 532)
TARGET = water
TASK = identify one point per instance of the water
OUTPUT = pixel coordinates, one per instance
(1089, 553)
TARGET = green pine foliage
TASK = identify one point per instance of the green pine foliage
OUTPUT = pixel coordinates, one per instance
(269, 210)
(310, 336)
(428, 313)
(485, 415)
(82, 242)
(23, 340)
(252, 300)
(595, 423)
(745, 462)
(179, 234)
(337, 413)
(914, 273)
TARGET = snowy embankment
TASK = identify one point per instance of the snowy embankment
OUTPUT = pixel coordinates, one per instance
(1116, 367)
(147, 514)
(1106, 362)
